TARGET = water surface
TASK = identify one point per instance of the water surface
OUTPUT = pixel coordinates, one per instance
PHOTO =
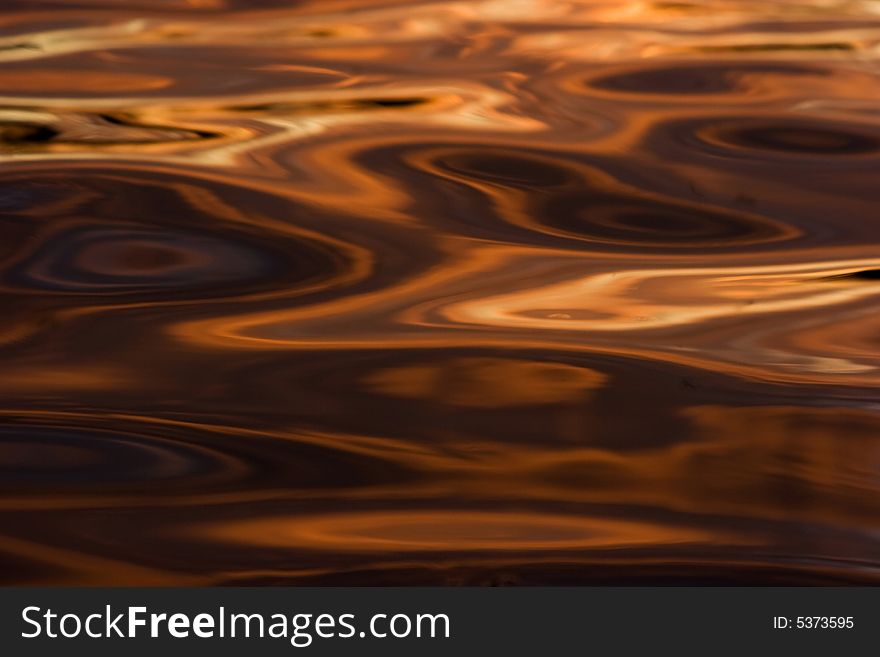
(477, 292)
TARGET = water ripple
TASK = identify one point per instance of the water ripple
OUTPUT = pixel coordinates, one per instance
(386, 292)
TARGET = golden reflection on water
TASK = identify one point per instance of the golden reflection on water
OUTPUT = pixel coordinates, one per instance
(478, 292)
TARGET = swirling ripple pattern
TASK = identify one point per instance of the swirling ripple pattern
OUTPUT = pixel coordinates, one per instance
(439, 292)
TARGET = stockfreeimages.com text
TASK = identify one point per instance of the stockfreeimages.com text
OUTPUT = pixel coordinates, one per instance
(300, 629)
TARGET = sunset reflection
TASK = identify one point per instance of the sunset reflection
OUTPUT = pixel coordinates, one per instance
(542, 292)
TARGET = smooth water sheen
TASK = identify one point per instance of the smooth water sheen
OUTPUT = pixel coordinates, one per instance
(403, 292)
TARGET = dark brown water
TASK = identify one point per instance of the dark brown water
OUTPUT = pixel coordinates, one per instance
(478, 292)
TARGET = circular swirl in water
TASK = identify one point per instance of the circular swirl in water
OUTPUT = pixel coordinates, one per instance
(107, 260)
(648, 223)
(147, 234)
(787, 137)
(133, 457)
(797, 139)
(689, 79)
(557, 197)
(51, 459)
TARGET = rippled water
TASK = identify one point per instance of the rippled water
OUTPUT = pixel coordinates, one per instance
(481, 292)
